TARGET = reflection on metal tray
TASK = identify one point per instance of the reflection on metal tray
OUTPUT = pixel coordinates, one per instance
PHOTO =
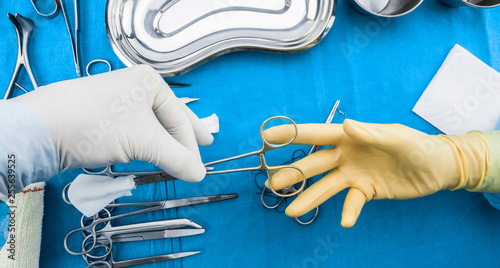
(173, 36)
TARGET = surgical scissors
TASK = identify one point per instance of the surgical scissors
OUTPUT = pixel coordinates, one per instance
(291, 188)
(108, 170)
(156, 206)
(24, 27)
(114, 264)
(266, 147)
(48, 15)
(139, 232)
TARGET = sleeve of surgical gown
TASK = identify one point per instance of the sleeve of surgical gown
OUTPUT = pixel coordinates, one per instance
(27, 153)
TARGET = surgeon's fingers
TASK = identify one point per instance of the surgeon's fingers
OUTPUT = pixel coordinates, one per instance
(312, 165)
(353, 204)
(171, 114)
(161, 149)
(315, 195)
(390, 138)
(177, 123)
(203, 136)
(314, 134)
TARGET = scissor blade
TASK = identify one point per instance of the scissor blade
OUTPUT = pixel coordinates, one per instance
(142, 236)
(154, 259)
(159, 177)
(197, 200)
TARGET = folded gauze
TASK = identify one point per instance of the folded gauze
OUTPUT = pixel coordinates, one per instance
(464, 95)
(91, 193)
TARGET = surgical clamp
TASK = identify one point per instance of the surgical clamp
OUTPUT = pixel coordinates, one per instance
(24, 27)
(291, 188)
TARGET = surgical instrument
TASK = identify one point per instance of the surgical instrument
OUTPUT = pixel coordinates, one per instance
(117, 264)
(266, 147)
(148, 235)
(162, 205)
(109, 69)
(291, 188)
(97, 61)
(108, 170)
(48, 15)
(139, 232)
(24, 27)
(73, 37)
(329, 119)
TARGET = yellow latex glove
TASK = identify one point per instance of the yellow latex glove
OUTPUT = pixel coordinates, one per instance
(377, 161)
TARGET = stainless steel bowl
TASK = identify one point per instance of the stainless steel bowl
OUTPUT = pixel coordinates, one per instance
(385, 8)
(472, 3)
(173, 36)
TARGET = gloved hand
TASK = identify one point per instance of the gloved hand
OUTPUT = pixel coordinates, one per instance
(377, 161)
(116, 117)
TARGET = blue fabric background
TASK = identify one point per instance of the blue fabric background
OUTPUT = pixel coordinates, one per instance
(378, 68)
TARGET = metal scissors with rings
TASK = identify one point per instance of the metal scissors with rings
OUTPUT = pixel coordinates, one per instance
(155, 206)
(46, 15)
(110, 263)
(138, 232)
(108, 170)
(266, 147)
(291, 188)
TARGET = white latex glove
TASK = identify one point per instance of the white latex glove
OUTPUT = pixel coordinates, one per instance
(116, 117)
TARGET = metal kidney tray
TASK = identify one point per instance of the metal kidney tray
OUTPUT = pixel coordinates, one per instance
(174, 36)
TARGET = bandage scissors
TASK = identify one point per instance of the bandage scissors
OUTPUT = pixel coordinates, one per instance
(291, 188)
(155, 206)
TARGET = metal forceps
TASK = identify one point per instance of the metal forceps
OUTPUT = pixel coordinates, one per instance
(75, 45)
(24, 27)
(156, 206)
(110, 263)
(291, 188)
(266, 147)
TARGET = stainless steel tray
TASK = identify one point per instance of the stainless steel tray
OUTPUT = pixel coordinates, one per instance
(173, 36)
